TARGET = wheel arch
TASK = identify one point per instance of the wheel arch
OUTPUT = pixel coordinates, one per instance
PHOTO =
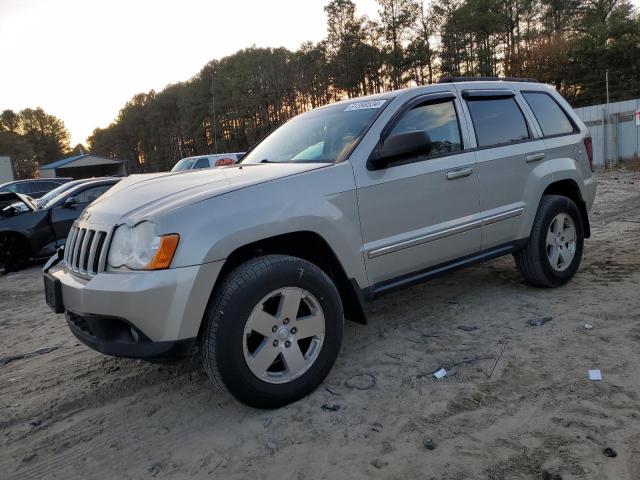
(307, 245)
(569, 188)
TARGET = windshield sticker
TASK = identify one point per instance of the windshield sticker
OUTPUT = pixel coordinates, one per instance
(365, 105)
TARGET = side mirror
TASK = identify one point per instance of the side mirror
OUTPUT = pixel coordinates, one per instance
(70, 202)
(399, 146)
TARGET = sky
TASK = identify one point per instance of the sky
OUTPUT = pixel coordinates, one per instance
(81, 60)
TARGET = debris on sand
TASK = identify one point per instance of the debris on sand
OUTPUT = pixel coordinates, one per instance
(22, 356)
(539, 321)
(440, 373)
(365, 381)
(330, 407)
(467, 328)
(429, 444)
(610, 452)
(332, 390)
(588, 326)
(379, 463)
(550, 476)
(432, 334)
(595, 375)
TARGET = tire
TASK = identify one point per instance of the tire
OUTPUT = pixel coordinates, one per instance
(14, 252)
(252, 297)
(542, 262)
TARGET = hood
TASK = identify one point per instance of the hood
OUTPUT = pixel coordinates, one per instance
(12, 203)
(148, 195)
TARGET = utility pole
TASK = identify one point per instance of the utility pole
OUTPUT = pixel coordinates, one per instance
(215, 125)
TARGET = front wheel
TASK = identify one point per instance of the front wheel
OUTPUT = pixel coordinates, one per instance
(14, 252)
(273, 331)
(553, 253)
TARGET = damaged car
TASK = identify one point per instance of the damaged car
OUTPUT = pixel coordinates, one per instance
(31, 229)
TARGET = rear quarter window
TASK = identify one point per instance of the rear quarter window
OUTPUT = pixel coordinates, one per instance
(497, 121)
(550, 116)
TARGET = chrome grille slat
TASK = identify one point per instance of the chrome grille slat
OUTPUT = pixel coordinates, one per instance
(86, 250)
(83, 250)
(71, 242)
(91, 270)
(76, 249)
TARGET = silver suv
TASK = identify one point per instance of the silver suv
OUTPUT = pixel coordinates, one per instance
(260, 262)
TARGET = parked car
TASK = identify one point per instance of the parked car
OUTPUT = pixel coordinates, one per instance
(40, 202)
(35, 230)
(35, 187)
(207, 161)
(260, 262)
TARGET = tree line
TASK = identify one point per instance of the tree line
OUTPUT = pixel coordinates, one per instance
(32, 137)
(235, 101)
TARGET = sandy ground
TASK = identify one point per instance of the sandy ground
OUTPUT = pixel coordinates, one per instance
(73, 413)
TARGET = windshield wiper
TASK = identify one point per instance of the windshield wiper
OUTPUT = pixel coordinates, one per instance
(266, 160)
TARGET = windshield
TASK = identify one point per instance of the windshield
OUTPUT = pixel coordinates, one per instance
(184, 164)
(54, 193)
(324, 135)
(66, 193)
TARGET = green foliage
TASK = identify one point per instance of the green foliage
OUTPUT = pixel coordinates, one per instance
(568, 43)
(32, 138)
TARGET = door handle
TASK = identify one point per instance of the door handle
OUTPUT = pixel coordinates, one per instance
(463, 172)
(535, 157)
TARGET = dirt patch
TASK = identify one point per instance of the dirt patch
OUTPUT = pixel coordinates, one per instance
(517, 400)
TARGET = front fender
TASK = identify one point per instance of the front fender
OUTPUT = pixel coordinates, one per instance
(321, 201)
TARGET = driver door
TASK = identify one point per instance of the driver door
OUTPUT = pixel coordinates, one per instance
(418, 213)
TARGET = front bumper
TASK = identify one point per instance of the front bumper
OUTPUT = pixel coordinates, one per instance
(137, 314)
(118, 338)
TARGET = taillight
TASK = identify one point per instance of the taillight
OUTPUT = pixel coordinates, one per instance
(588, 145)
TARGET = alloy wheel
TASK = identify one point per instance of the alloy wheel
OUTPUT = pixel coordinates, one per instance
(283, 335)
(561, 242)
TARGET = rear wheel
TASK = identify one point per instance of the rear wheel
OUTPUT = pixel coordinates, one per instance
(14, 252)
(554, 250)
(273, 331)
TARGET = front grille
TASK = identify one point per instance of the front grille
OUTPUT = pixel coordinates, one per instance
(85, 252)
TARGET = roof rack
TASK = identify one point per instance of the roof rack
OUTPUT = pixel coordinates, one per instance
(485, 79)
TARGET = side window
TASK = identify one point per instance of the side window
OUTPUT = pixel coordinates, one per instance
(201, 163)
(439, 120)
(91, 194)
(25, 188)
(38, 187)
(497, 121)
(552, 119)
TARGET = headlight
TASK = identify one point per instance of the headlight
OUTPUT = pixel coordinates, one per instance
(139, 248)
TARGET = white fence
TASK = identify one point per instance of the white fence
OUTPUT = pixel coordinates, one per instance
(616, 136)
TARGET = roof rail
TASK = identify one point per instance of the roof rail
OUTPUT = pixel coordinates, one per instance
(485, 79)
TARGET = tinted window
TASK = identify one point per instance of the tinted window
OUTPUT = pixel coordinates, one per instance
(202, 163)
(439, 120)
(552, 119)
(24, 187)
(497, 121)
(91, 194)
(40, 187)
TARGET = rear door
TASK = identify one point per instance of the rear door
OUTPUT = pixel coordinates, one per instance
(508, 149)
(418, 212)
(561, 135)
